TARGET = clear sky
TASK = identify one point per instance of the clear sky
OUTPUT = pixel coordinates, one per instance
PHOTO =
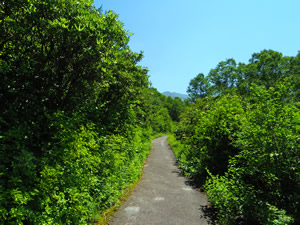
(181, 39)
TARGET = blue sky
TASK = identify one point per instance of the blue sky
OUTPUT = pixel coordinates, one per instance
(181, 39)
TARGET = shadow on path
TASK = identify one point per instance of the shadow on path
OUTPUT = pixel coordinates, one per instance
(207, 211)
(164, 196)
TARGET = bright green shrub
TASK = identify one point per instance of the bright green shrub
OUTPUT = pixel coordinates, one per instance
(238, 202)
(163, 111)
(179, 151)
(81, 174)
(206, 130)
(249, 144)
(229, 195)
(161, 121)
(73, 121)
(277, 217)
(267, 167)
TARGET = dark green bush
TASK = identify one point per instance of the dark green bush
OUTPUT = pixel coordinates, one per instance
(262, 182)
(206, 131)
(163, 111)
(73, 122)
(247, 151)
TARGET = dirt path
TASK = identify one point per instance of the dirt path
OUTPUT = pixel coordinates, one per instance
(162, 196)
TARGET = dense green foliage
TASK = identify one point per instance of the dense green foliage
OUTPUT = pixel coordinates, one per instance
(163, 111)
(206, 130)
(265, 68)
(262, 181)
(77, 116)
(240, 139)
(74, 124)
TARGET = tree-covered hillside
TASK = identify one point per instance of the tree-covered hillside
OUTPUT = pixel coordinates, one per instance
(175, 94)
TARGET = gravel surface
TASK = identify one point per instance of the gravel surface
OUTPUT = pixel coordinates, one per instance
(163, 196)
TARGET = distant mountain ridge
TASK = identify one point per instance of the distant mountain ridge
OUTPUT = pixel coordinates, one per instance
(174, 94)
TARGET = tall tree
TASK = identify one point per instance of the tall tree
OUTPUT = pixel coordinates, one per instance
(224, 77)
(198, 87)
(295, 76)
(265, 68)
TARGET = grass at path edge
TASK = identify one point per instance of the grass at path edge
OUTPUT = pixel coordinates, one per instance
(105, 216)
(108, 213)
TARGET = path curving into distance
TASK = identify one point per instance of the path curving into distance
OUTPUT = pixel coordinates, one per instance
(162, 197)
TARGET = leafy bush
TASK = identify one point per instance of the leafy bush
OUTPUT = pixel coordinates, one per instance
(229, 195)
(163, 111)
(246, 150)
(91, 173)
(237, 203)
(206, 131)
(267, 167)
(73, 121)
(178, 149)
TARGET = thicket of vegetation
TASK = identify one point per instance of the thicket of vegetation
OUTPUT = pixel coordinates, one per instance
(76, 114)
(163, 111)
(240, 139)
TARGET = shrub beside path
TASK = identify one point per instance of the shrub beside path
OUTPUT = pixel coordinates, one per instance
(163, 196)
